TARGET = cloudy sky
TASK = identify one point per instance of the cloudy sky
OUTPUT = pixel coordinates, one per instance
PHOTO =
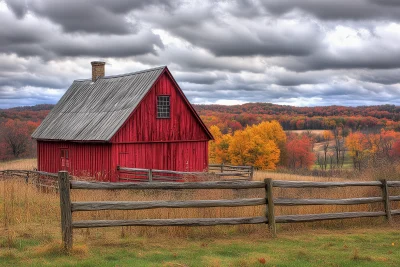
(296, 52)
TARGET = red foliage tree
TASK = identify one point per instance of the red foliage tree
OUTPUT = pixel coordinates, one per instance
(396, 149)
(299, 151)
(16, 137)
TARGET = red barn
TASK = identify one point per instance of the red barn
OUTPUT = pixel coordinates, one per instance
(138, 120)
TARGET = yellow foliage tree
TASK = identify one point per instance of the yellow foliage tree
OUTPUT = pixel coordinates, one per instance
(327, 135)
(216, 132)
(252, 147)
(273, 131)
(218, 149)
(357, 144)
(259, 145)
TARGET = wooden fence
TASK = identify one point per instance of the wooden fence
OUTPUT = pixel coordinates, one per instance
(153, 175)
(43, 180)
(219, 172)
(67, 207)
(245, 172)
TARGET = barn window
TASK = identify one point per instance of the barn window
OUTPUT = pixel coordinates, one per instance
(163, 107)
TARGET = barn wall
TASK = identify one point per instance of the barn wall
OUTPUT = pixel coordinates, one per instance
(179, 156)
(143, 125)
(84, 159)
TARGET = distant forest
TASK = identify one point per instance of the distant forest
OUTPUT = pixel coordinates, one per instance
(28, 113)
(237, 117)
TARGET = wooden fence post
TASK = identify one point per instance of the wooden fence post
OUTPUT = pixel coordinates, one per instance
(150, 174)
(251, 173)
(270, 206)
(222, 167)
(66, 213)
(386, 200)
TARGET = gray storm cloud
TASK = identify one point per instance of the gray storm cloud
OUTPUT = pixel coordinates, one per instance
(298, 52)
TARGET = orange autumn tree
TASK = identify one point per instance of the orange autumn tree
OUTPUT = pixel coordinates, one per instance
(357, 144)
(371, 148)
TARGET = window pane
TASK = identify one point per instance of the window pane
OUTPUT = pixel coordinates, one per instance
(163, 106)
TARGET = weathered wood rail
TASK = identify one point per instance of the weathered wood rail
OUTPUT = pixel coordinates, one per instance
(151, 175)
(68, 207)
(27, 173)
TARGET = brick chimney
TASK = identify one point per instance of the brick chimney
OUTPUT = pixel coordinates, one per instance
(97, 70)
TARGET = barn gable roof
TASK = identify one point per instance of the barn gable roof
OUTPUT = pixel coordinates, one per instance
(95, 111)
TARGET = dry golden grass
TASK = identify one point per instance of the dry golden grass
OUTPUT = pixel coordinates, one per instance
(25, 210)
(261, 175)
(316, 132)
(21, 164)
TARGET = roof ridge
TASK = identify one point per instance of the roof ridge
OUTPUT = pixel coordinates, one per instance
(124, 74)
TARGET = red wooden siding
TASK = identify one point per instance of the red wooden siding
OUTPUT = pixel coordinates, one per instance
(179, 156)
(84, 159)
(143, 125)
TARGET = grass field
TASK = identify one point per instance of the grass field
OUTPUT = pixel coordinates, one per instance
(20, 164)
(355, 247)
(30, 230)
(316, 132)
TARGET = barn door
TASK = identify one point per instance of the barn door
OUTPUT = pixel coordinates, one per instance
(64, 157)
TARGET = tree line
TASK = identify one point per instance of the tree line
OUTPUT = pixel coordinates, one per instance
(232, 118)
(268, 147)
(373, 149)
(264, 146)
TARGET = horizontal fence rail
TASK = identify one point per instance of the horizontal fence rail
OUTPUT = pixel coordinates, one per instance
(28, 172)
(296, 184)
(326, 216)
(188, 185)
(393, 183)
(170, 222)
(68, 207)
(346, 201)
(139, 205)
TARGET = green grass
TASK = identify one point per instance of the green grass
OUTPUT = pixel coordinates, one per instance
(354, 247)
